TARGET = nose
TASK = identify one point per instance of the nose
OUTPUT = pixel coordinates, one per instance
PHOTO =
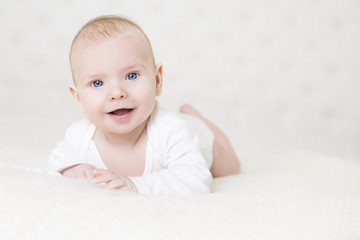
(117, 93)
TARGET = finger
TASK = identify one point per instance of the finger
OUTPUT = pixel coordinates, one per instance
(116, 184)
(125, 189)
(130, 186)
(98, 171)
(104, 178)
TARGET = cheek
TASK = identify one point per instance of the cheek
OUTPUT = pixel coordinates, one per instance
(90, 102)
(145, 91)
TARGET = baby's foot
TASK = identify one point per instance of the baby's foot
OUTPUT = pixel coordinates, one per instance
(189, 110)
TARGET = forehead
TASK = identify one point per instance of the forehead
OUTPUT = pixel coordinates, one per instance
(92, 36)
(131, 43)
(128, 49)
(99, 31)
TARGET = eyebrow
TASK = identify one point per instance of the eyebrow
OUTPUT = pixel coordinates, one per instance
(133, 66)
(89, 77)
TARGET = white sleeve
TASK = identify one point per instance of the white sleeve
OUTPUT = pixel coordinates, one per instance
(72, 149)
(185, 171)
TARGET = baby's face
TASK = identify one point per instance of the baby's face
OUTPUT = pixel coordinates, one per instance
(116, 82)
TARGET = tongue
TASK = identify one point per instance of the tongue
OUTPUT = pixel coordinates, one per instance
(120, 112)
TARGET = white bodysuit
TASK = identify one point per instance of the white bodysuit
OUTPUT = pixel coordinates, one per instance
(178, 153)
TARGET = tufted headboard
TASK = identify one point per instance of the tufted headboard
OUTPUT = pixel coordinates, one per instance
(277, 76)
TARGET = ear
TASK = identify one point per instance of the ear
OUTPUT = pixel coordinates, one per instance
(76, 97)
(159, 78)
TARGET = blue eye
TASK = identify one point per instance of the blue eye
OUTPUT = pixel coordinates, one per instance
(97, 83)
(131, 76)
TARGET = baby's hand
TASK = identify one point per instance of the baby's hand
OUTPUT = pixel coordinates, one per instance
(112, 181)
(82, 170)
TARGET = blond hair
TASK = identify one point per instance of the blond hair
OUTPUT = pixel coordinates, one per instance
(102, 28)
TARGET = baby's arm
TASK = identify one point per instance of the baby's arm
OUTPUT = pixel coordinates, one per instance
(70, 155)
(184, 170)
(82, 170)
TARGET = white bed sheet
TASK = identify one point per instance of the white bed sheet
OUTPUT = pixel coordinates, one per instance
(302, 196)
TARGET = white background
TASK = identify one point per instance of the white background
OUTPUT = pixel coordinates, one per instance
(276, 76)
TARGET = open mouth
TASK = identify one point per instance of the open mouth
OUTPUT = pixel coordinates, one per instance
(121, 111)
(122, 114)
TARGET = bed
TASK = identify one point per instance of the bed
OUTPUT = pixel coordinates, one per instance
(281, 79)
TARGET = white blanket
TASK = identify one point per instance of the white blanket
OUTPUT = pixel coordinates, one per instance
(306, 196)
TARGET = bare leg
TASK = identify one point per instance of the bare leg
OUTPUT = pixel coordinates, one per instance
(225, 161)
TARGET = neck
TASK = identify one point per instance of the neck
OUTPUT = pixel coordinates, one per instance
(126, 140)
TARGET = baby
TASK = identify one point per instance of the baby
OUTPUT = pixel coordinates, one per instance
(127, 141)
